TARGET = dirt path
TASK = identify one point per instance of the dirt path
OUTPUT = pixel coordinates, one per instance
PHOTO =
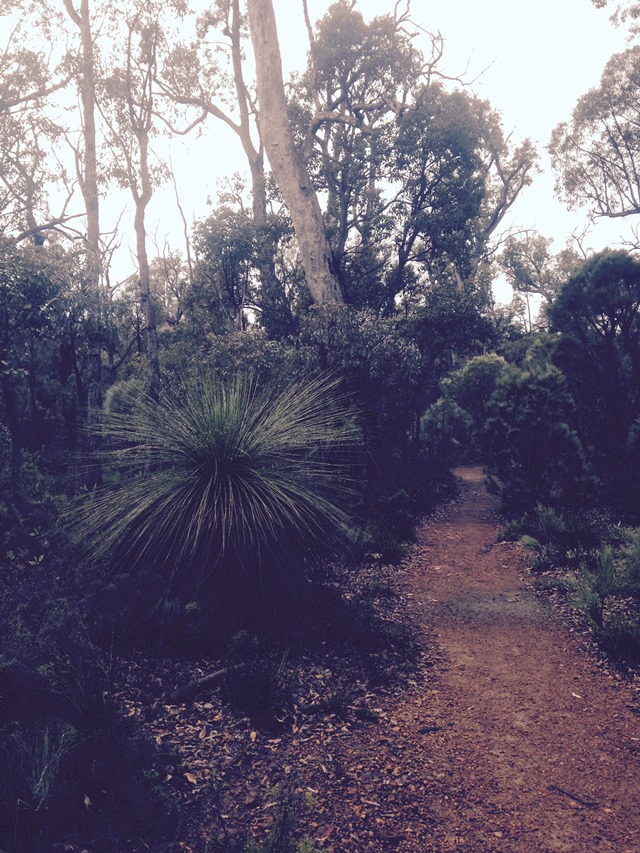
(510, 737)
(539, 748)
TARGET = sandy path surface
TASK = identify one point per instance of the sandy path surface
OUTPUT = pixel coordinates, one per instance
(535, 746)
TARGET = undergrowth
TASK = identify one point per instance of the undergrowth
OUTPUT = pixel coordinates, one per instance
(596, 564)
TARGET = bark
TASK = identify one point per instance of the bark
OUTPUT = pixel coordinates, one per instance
(144, 280)
(140, 116)
(91, 197)
(255, 156)
(286, 161)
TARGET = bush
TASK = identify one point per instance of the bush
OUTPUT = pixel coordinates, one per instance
(620, 639)
(630, 550)
(445, 433)
(225, 489)
(530, 446)
(69, 769)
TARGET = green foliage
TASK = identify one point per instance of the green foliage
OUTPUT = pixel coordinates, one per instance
(225, 487)
(37, 755)
(598, 581)
(281, 838)
(382, 367)
(445, 433)
(531, 447)
(631, 554)
(60, 739)
(471, 387)
(595, 153)
(620, 639)
(438, 160)
(606, 581)
(597, 316)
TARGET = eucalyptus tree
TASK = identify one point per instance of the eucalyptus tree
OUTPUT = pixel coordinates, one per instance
(624, 12)
(286, 161)
(418, 177)
(534, 271)
(195, 75)
(360, 79)
(30, 81)
(127, 104)
(206, 77)
(89, 179)
(597, 153)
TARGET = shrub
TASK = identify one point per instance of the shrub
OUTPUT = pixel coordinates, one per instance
(224, 490)
(620, 639)
(530, 445)
(631, 555)
(445, 432)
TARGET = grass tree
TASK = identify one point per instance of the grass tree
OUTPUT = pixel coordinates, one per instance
(225, 488)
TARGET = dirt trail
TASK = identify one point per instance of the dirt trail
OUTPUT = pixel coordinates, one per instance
(510, 737)
(536, 748)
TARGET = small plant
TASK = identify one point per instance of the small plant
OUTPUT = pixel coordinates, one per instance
(598, 582)
(631, 555)
(281, 839)
(620, 639)
(39, 753)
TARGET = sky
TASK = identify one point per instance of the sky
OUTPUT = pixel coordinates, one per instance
(531, 64)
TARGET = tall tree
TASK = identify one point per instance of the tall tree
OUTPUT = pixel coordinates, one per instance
(286, 159)
(194, 75)
(597, 153)
(415, 175)
(89, 186)
(30, 171)
(597, 318)
(533, 270)
(129, 113)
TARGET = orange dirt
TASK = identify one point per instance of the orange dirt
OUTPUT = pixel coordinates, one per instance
(539, 749)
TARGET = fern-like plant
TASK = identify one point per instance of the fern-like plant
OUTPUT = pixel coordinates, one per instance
(224, 488)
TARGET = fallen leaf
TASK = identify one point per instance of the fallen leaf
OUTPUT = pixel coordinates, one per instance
(87, 801)
(253, 736)
(324, 832)
(190, 778)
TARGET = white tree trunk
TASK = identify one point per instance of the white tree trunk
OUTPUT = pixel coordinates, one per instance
(286, 161)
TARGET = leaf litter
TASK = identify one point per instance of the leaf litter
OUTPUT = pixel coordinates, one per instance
(459, 729)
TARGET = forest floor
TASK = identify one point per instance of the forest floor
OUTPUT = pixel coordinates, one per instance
(499, 730)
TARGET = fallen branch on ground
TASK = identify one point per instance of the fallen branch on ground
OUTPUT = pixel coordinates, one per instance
(591, 803)
(190, 691)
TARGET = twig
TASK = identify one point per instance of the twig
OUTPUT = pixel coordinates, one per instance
(590, 803)
(191, 690)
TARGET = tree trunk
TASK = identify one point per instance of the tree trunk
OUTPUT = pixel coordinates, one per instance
(91, 196)
(286, 161)
(144, 280)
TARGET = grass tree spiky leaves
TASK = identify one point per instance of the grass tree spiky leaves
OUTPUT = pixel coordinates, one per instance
(224, 486)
